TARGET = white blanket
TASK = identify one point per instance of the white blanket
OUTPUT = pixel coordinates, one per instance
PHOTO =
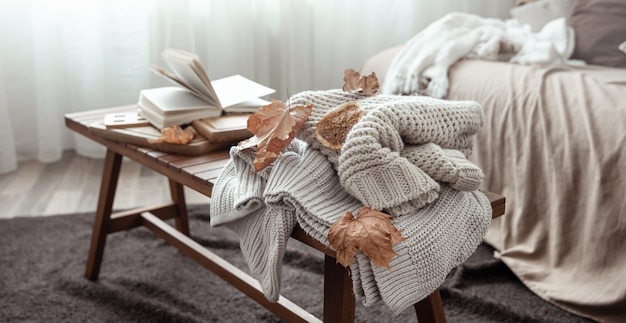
(421, 67)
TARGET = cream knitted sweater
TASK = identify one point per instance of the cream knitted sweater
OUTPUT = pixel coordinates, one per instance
(404, 146)
(302, 186)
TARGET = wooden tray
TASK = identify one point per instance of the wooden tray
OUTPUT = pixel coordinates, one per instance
(139, 136)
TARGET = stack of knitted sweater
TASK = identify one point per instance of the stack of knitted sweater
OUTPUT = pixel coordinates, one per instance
(406, 156)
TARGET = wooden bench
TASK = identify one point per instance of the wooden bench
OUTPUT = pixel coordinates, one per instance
(200, 173)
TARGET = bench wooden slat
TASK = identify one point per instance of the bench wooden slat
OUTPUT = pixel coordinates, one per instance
(155, 155)
(166, 160)
(204, 177)
(198, 160)
(96, 114)
(497, 204)
(195, 170)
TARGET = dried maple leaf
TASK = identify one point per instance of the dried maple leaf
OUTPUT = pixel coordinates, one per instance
(332, 130)
(274, 126)
(175, 135)
(354, 82)
(372, 232)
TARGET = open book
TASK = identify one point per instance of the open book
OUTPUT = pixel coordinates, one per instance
(231, 94)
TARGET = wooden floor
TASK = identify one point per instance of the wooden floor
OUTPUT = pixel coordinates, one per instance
(72, 185)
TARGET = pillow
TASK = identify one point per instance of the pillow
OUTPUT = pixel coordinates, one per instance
(599, 27)
(379, 63)
(537, 14)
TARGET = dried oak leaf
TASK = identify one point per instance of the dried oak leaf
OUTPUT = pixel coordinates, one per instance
(175, 135)
(332, 130)
(274, 126)
(354, 82)
(372, 232)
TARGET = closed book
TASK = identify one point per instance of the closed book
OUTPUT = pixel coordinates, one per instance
(227, 128)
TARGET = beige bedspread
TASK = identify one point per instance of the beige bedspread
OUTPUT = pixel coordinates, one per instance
(554, 144)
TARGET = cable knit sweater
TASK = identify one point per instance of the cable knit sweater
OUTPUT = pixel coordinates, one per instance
(302, 186)
(394, 158)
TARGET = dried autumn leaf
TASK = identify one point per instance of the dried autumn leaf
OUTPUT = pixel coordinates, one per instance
(274, 126)
(354, 82)
(332, 130)
(372, 232)
(175, 135)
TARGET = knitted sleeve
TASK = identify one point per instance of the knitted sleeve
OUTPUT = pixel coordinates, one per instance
(308, 182)
(445, 165)
(236, 194)
(238, 191)
(239, 203)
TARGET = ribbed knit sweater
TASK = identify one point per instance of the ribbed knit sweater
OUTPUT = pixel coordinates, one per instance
(302, 186)
(394, 158)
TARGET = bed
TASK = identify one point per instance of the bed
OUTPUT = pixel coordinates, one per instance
(554, 144)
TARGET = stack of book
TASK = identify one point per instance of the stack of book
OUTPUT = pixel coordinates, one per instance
(196, 97)
(168, 106)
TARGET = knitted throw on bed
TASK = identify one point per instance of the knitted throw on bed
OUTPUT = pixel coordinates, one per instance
(422, 64)
(302, 186)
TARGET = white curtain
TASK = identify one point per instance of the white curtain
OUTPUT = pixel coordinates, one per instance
(61, 56)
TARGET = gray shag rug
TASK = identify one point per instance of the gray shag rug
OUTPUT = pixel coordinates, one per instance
(144, 279)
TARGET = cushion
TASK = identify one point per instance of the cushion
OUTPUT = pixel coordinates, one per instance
(600, 27)
(379, 63)
(538, 13)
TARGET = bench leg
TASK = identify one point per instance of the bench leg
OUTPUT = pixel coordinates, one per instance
(108, 184)
(338, 296)
(178, 197)
(430, 309)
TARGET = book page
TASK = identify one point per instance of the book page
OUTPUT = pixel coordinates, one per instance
(251, 105)
(194, 62)
(174, 100)
(177, 81)
(184, 67)
(236, 89)
(199, 69)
